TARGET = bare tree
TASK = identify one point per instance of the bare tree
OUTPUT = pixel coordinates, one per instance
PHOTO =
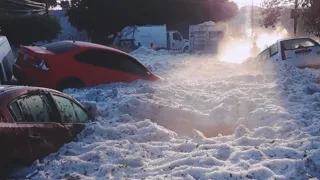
(305, 10)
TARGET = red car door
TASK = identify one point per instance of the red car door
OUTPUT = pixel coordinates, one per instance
(37, 114)
(13, 146)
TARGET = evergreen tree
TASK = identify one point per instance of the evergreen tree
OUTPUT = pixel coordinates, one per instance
(25, 30)
(104, 17)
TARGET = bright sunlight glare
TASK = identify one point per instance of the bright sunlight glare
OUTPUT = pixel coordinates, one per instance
(266, 39)
(242, 3)
(237, 51)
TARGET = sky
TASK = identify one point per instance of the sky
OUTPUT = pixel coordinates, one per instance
(242, 3)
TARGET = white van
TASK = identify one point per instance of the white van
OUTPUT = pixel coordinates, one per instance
(6, 61)
(156, 35)
(301, 52)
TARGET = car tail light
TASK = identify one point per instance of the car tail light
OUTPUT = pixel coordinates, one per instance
(41, 64)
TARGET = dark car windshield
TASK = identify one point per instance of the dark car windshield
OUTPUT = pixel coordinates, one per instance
(293, 44)
(59, 47)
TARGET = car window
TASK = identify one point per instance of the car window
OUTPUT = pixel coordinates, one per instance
(82, 115)
(176, 36)
(274, 49)
(264, 54)
(59, 47)
(112, 60)
(293, 44)
(33, 108)
(70, 111)
(16, 111)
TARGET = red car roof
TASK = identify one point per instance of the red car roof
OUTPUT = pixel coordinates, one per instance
(15, 91)
(93, 45)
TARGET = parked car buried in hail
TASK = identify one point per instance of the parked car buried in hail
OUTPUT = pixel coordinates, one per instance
(75, 64)
(35, 122)
(301, 52)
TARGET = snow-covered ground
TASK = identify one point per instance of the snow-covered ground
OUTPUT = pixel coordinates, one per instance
(206, 120)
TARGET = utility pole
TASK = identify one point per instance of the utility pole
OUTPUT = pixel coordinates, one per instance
(295, 23)
(47, 7)
(252, 20)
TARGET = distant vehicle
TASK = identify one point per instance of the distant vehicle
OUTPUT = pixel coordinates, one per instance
(301, 52)
(6, 61)
(68, 64)
(35, 122)
(206, 37)
(156, 35)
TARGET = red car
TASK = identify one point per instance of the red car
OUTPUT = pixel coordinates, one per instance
(75, 64)
(35, 122)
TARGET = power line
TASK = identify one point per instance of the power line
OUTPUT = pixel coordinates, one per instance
(27, 10)
(22, 7)
(34, 2)
(24, 3)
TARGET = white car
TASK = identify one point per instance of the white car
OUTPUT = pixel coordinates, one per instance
(301, 52)
(6, 61)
